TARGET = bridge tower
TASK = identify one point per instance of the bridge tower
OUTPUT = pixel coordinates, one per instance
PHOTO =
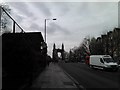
(55, 52)
(62, 52)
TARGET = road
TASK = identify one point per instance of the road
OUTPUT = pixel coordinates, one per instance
(92, 78)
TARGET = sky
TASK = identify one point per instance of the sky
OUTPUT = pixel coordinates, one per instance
(75, 20)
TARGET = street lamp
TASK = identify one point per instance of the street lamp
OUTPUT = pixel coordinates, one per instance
(46, 28)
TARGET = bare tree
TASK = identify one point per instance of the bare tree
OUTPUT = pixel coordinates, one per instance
(5, 20)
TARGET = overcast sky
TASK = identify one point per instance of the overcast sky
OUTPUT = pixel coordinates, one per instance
(75, 20)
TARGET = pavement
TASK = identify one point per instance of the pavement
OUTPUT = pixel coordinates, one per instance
(1, 78)
(53, 77)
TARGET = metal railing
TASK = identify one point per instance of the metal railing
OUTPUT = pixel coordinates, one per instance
(13, 21)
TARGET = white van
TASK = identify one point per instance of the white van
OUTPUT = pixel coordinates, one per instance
(103, 62)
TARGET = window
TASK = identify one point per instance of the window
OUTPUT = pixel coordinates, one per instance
(108, 60)
(101, 60)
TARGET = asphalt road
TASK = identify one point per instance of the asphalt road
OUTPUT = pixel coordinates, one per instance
(92, 78)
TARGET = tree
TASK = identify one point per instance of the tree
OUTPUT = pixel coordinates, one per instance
(5, 20)
(93, 46)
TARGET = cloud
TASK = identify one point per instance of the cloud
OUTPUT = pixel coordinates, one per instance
(21, 8)
(42, 7)
(59, 9)
(75, 20)
(35, 27)
(18, 18)
(55, 28)
(119, 14)
(60, 1)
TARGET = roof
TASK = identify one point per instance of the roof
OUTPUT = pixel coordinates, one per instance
(30, 35)
(32, 39)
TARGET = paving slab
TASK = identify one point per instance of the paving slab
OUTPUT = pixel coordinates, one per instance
(53, 77)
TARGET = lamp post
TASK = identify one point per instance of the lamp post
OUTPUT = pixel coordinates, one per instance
(46, 27)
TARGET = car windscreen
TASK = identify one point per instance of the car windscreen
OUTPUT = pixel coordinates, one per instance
(108, 60)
